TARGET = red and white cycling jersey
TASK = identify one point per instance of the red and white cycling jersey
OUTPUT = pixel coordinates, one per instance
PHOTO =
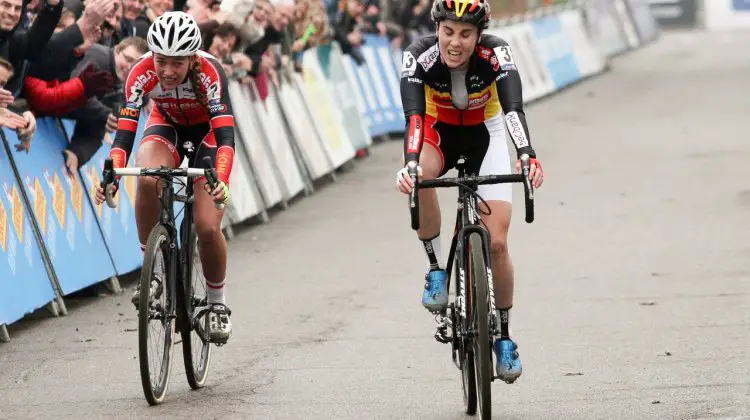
(180, 107)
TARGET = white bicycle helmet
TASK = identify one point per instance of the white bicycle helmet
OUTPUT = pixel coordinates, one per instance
(174, 34)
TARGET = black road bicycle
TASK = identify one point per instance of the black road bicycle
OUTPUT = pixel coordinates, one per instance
(469, 323)
(172, 284)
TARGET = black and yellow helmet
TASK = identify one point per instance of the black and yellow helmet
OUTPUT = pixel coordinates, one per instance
(476, 12)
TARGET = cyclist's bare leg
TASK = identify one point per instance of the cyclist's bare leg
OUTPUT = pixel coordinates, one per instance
(435, 294)
(509, 366)
(151, 154)
(213, 254)
(497, 224)
(213, 245)
(429, 209)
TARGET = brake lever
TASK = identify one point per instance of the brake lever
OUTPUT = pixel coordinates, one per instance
(108, 178)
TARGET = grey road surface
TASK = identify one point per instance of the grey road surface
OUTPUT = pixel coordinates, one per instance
(633, 285)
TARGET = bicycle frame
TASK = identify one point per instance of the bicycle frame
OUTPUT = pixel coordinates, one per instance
(468, 221)
(178, 249)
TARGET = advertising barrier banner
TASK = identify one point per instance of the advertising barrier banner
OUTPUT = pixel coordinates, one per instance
(118, 224)
(556, 50)
(605, 27)
(378, 84)
(260, 158)
(727, 14)
(588, 58)
(332, 66)
(535, 76)
(626, 23)
(675, 12)
(303, 131)
(268, 117)
(244, 202)
(24, 282)
(67, 223)
(324, 109)
(648, 28)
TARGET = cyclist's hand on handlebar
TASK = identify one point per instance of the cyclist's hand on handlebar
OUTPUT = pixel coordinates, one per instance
(536, 173)
(99, 196)
(404, 181)
(220, 194)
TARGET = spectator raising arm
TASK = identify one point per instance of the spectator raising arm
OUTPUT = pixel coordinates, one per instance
(59, 99)
(28, 45)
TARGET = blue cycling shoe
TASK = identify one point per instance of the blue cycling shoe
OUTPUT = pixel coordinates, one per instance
(508, 363)
(435, 297)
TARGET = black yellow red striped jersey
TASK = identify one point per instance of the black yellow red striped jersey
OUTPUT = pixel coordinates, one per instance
(493, 85)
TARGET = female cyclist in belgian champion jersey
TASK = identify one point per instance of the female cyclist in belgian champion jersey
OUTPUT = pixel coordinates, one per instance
(454, 86)
(189, 92)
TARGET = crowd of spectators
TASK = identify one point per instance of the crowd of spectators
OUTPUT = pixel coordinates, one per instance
(69, 58)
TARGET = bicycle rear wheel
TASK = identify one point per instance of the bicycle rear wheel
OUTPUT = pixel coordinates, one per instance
(157, 308)
(482, 345)
(196, 352)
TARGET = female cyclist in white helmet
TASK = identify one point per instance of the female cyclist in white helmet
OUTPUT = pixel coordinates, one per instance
(191, 103)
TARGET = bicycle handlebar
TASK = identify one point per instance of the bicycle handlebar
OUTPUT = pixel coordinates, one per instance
(109, 173)
(470, 181)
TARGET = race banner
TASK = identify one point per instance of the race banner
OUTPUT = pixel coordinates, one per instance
(60, 206)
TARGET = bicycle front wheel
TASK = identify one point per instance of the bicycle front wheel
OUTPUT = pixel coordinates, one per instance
(466, 360)
(482, 343)
(196, 352)
(156, 317)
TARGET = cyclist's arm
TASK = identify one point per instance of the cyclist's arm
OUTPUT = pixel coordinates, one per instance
(222, 120)
(135, 93)
(510, 93)
(413, 101)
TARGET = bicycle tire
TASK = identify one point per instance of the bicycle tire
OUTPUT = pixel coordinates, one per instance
(466, 354)
(158, 240)
(482, 345)
(469, 384)
(195, 370)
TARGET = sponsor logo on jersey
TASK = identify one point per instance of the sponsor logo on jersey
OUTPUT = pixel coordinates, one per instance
(140, 83)
(415, 80)
(429, 57)
(413, 144)
(215, 109)
(128, 112)
(479, 101)
(495, 63)
(408, 65)
(211, 86)
(484, 52)
(515, 128)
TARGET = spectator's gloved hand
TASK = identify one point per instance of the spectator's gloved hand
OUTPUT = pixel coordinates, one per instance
(96, 83)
